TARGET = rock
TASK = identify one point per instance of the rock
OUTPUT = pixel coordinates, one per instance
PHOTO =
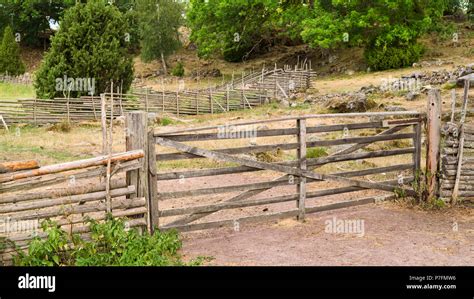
(411, 96)
(285, 103)
(293, 105)
(356, 102)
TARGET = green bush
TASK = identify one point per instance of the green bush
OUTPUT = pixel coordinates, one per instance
(178, 70)
(379, 58)
(111, 244)
(91, 45)
(10, 60)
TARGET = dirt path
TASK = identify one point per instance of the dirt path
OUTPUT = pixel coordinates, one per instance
(393, 236)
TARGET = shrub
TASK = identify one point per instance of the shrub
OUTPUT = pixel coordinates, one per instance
(111, 244)
(90, 45)
(178, 70)
(381, 58)
(10, 60)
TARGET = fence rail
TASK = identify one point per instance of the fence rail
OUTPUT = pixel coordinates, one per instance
(70, 199)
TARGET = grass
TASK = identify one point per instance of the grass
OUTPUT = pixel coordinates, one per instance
(13, 91)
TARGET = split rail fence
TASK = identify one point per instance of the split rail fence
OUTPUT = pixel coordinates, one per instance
(252, 91)
(76, 191)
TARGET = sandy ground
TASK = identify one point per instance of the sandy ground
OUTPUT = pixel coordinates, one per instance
(393, 236)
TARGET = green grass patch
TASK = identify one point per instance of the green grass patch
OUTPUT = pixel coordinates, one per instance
(316, 152)
(14, 91)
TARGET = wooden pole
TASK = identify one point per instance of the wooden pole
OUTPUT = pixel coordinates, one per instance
(417, 154)
(153, 208)
(163, 95)
(103, 118)
(67, 108)
(227, 99)
(34, 113)
(461, 142)
(453, 104)
(177, 103)
(301, 153)
(146, 100)
(108, 199)
(136, 139)
(433, 146)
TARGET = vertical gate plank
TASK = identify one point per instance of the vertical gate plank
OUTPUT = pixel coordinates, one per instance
(301, 188)
(152, 184)
(434, 139)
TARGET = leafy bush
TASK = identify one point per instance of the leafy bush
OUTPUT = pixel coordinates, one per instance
(10, 60)
(393, 57)
(111, 244)
(178, 70)
(91, 44)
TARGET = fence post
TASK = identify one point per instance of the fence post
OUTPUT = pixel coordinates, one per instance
(152, 183)
(417, 154)
(137, 138)
(301, 153)
(433, 143)
(103, 119)
(34, 112)
(227, 99)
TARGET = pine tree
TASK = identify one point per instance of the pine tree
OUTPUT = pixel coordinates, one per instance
(91, 45)
(10, 60)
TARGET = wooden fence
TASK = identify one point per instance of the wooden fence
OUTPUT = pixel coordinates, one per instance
(74, 194)
(457, 157)
(189, 199)
(40, 111)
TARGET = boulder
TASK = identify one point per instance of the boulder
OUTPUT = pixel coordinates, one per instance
(355, 102)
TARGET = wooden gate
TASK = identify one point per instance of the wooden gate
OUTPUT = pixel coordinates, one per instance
(236, 173)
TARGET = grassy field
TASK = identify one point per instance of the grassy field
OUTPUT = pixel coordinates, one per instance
(14, 91)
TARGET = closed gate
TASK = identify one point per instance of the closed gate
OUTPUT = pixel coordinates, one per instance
(287, 167)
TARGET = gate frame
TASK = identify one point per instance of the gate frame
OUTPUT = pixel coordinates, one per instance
(140, 137)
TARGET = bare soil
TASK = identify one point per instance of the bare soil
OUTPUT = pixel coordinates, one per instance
(394, 236)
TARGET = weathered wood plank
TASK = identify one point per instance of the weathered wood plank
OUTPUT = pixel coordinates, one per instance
(80, 164)
(268, 166)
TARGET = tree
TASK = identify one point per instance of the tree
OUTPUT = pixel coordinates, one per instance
(387, 29)
(10, 60)
(31, 18)
(91, 44)
(231, 28)
(158, 22)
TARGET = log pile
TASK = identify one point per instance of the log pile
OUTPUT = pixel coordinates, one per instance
(449, 160)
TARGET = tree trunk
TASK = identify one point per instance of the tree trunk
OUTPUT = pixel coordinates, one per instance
(164, 63)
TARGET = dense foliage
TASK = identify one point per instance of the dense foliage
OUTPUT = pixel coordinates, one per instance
(10, 60)
(158, 23)
(230, 28)
(235, 28)
(92, 43)
(111, 244)
(31, 18)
